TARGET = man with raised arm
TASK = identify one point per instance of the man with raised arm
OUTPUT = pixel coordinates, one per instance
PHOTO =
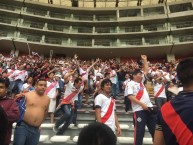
(141, 103)
(68, 106)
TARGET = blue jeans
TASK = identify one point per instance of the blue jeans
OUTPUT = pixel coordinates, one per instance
(79, 101)
(114, 90)
(66, 119)
(26, 135)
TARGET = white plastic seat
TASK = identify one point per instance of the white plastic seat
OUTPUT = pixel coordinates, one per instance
(82, 125)
(124, 126)
(130, 140)
(75, 139)
(44, 138)
(47, 125)
(125, 140)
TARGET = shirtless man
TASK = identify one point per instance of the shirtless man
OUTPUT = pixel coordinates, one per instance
(37, 103)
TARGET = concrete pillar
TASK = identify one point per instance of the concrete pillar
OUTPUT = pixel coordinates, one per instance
(16, 53)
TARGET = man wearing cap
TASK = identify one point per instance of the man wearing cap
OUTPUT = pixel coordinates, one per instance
(141, 104)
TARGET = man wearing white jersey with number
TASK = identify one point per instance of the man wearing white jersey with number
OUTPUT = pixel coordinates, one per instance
(159, 90)
(73, 88)
(141, 104)
(105, 107)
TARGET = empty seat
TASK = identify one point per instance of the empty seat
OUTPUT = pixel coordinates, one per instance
(75, 139)
(60, 138)
(130, 140)
(82, 125)
(47, 125)
(124, 126)
(44, 138)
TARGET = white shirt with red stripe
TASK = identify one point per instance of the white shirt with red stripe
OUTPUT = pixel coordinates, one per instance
(125, 83)
(70, 89)
(104, 102)
(156, 89)
(133, 89)
(166, 75)
(52, 93)
(84, 73)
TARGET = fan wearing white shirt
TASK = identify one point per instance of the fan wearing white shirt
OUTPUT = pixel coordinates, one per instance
(141, 104)
(52, 93)
(159, 90)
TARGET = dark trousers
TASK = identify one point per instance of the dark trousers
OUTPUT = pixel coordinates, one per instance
(141, 119)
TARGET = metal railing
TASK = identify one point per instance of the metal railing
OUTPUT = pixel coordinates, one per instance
(36, 12)
(60, 15)
(182, 24)
(29, 37)
(9, 7)
(3, 33)
(83, 17)
(105, 43)
(130, 29)
(53, 40)
(81, 30)
(184, 38)
(106, 18)
(154, 27)
(105, 30)
(131, 42)
(84, 43)
(57, 28)
(33, 24)
(153, 41)
(8, 20)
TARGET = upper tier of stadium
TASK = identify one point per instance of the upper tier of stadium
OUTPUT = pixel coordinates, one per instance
(104, 3)
(158, 30)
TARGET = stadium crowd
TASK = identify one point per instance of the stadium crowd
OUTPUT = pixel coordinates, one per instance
(69, 79)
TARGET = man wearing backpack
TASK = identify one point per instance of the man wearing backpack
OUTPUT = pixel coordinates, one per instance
(37, 103)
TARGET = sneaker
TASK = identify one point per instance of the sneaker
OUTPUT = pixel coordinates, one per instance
(55, 129)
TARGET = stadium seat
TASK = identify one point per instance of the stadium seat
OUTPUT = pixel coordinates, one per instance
(60, 138)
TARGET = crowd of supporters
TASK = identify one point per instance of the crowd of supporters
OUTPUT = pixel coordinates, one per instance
(70, 77)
